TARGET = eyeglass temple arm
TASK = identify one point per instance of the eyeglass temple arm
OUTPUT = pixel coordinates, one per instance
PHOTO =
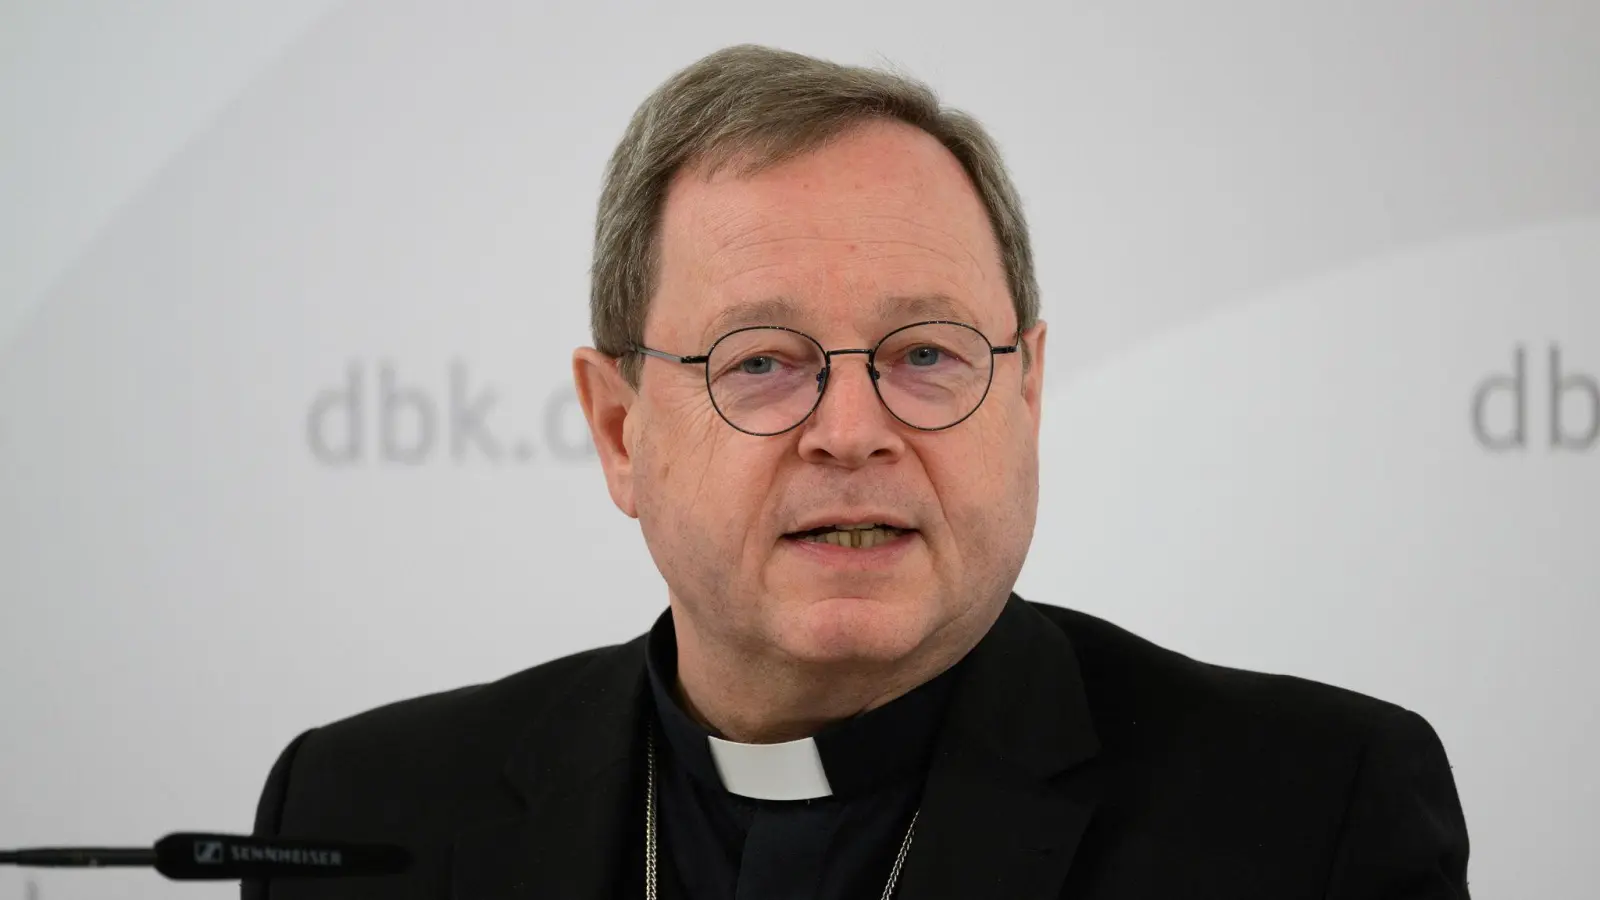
(669, 357)
(1016, 342)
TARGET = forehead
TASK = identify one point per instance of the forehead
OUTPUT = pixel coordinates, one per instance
(795, 313)
(879, 227)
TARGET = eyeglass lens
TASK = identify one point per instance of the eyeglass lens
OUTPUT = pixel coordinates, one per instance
(766, 380)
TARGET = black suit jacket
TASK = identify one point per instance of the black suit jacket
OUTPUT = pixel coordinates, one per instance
(1076, 761)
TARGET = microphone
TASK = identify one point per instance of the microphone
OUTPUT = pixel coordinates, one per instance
(204, 856)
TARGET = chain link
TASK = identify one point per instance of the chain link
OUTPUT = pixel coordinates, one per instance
(650, 818)
(900, 858)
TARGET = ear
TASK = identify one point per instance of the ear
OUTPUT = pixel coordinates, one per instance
(1033, 378)
(607, 400)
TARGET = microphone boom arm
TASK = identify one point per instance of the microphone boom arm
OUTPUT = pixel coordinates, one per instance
(79, 857)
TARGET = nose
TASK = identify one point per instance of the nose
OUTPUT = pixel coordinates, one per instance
(850, 426)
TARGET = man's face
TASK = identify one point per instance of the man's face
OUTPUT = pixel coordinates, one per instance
(849, 236)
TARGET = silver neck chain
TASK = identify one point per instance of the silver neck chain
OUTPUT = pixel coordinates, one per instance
(650, 829)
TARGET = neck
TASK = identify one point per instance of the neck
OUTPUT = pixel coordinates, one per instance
(757, 698)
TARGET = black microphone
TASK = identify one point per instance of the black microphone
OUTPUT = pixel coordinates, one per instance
(201, 856)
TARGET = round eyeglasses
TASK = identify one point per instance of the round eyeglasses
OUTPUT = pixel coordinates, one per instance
(765, 380)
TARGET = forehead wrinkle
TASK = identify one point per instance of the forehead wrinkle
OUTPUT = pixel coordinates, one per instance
(731, 233)
(887, 310)
(752, 237)
(731, 230)
(896, 251)
(869, 250)
(727, 253)
(738, 269)
(950, 236)
(730, 225)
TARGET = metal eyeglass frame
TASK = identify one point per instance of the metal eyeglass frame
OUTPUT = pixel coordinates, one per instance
(827, 367)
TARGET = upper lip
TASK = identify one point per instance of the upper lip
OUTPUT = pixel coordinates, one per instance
(832, 520)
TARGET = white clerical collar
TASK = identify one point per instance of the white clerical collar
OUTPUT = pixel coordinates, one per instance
(789, 771)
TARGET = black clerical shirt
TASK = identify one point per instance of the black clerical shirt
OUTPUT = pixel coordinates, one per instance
(839, 847)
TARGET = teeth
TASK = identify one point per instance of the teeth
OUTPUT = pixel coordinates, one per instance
(856, 537)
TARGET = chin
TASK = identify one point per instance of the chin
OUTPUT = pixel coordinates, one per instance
(856, 629)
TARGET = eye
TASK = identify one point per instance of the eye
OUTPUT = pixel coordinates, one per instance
(756, 365)
(923, 356)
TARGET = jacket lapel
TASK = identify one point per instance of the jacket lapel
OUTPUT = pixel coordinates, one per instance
(575, 769)
(1008, 795)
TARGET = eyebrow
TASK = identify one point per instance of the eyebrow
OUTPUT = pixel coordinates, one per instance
(787, 311)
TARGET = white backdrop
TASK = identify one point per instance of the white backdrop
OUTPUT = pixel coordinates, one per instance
(287, 297)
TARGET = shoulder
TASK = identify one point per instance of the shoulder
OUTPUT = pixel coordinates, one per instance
(486, 710)
(436, 756)
(1303, 784)
(1140, 693)
(1290, 774)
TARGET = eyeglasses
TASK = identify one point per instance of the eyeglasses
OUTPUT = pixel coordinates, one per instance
(765, 380)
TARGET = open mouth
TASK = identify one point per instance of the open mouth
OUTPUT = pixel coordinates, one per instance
(855, 537)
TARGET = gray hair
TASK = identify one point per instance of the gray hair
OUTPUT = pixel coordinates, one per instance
(762, 106)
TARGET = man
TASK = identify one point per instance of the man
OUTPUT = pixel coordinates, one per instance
(817, 385)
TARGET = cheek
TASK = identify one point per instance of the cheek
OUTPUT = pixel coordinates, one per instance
(705, 483)
(988, 489)
(676, 438)
(1016, 481)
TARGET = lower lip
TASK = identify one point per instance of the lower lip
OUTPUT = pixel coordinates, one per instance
(834, 556)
